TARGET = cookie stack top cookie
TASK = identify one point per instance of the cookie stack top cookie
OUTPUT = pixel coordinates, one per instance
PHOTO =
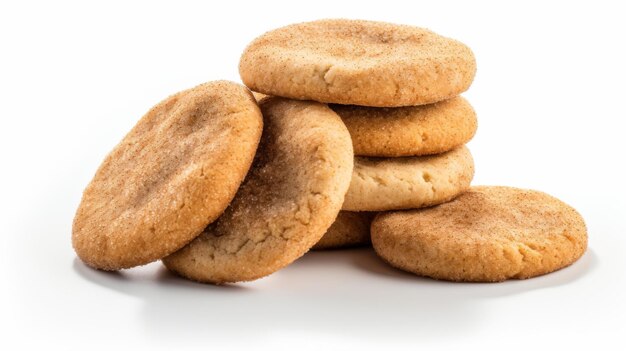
(356, 62)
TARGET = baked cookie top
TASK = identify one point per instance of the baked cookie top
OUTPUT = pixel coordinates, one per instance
(172, 174)
(291, 196)
(358, 62)
(409, 131)
(489, 233)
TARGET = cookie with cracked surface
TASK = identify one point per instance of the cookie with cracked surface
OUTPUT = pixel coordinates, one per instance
(409, 131)
(289, 199)
(357, 62)
(383, 184)
(172, 174)
(349, 229)
(487, 234)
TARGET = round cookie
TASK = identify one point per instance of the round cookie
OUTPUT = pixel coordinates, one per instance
(486, 234)
(409, 131)
(172, 174)
(290, 197)
(349, 229)
(383, 184)
(357, 63)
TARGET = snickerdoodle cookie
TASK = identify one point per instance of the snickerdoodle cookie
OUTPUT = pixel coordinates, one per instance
(258, 96)
(291, 196)
(172, 174)
(357, 62)
(486, 234)
(382, 184)
(409, 131)
(349, 229)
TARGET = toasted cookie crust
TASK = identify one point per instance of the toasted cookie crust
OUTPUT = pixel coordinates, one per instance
(358, 63)
(383, 184)
(172, 174)
(486, 234)
(349, 229)
(409, 131)
(289, 199)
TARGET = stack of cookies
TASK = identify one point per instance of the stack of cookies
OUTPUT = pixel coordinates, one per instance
(354, 126)
(396, 89)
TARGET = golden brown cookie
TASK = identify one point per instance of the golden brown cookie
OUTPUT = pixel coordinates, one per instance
(349, 229)
(290, 197)
(258, 96)
(409, 131)
(487, 234)
(172, 174)
(357, 63)
(383, 184)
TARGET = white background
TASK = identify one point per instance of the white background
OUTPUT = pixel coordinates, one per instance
(74, 77)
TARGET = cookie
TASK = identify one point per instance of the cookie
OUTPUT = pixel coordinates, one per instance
(172, 174)
(383, 184)
(357, 63)
(258, 96)
(409, 131)
(349, 229)
(487, 234)
(289, 199)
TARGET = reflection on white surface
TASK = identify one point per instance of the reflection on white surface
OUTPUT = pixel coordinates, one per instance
(351, 293)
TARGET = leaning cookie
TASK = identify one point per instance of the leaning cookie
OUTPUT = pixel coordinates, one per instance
(486, 234)
(349, 229)
(172, 174)
(409, 131)
(358, 63)
(383, 184)
(289, 199)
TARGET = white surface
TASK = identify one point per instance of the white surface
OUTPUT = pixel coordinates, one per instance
(75, 77)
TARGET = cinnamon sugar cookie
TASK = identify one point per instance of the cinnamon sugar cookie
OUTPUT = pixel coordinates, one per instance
(349, 229)
(172, 174)
(487, 234)
(383, 184)
(258, 96)
(409, 131)
(358, 63)
(291, 196)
